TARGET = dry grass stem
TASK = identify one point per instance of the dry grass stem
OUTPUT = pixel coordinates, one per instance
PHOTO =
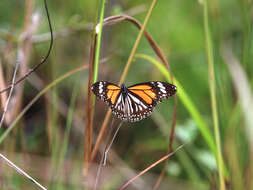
(20, 171)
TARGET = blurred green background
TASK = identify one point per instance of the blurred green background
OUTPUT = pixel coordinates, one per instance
(36, 143)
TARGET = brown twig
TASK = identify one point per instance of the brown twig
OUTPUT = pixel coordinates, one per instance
(9, 97)
(43, 59)
(20, 171)
(89, 110)
(172, 135)
(150, 167)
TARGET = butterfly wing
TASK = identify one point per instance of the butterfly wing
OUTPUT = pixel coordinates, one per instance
(106, 91)
(143, 97)
(137, 102)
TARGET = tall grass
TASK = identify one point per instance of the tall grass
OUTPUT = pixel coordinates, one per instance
(210, 62)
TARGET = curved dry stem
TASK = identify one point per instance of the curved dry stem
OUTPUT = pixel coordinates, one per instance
(43, 59)
(155, 47)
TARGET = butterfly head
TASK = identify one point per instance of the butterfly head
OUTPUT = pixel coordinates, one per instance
(123, 90)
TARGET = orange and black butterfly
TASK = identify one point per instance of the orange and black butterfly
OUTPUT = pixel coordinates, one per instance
(135, 102)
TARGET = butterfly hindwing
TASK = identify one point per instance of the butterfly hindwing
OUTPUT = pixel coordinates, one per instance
(135, 102)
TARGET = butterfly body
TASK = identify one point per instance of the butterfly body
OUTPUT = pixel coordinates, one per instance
(135, 102)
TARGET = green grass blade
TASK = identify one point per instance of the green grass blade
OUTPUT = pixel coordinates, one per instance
(184, 97)
(66, 134)
(210, 62)
(99, 36)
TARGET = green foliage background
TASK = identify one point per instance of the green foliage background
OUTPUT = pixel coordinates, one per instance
(36, 143)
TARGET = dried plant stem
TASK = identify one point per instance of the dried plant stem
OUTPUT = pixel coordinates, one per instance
(20, 171)
(210, 61)
(172, 135)
(12, 87)
(89, 110)
(2, 85)
(93, 72)
(151, 166)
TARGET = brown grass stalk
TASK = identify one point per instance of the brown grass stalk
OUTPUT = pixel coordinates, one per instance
(2, 85)
(172, 135)
(150, 167)
(89, 110)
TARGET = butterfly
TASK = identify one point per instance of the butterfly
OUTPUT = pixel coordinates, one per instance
(135, 102)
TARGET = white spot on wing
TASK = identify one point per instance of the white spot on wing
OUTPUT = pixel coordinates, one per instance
(160, 85)
(163, 91)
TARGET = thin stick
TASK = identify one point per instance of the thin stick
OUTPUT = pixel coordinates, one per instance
(42, 61)
(12, 87)
(172, 135)
(151, 166)
(103, 158)
(20, 171)
(109, 146)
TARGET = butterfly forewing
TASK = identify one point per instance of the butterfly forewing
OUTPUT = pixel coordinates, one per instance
(155, 91)
(135, 102)
(106, 91)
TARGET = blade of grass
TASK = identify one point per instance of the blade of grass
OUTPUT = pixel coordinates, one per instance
(183, 157)
(210, 62)
(243, 89)
(42, 92)
(185, 100)
(99, 29)
(55, 136)
(66, 134)
(131, 56)
(184, 97)
(246, 20)
(232, 150)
